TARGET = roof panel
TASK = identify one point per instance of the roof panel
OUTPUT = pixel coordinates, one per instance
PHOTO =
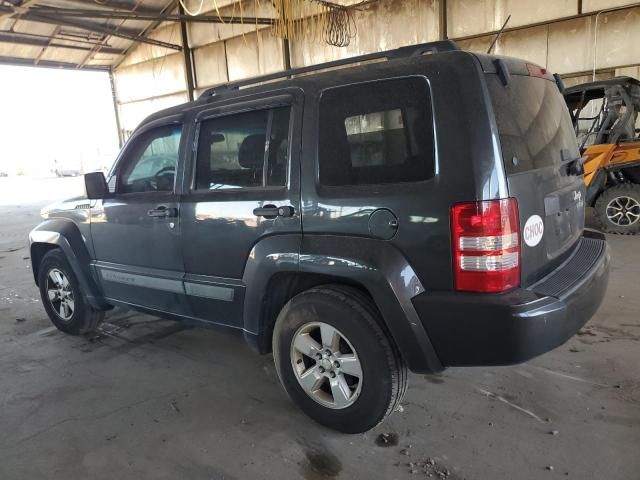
(37, 28)
(19, 51)
(64, 55)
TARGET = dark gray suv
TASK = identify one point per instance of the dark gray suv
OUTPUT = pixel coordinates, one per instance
(421, 211)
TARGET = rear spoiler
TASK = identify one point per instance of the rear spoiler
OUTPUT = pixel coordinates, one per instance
(504, 67)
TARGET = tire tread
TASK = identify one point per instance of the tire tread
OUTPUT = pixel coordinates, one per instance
(629, 189)
(91, 318)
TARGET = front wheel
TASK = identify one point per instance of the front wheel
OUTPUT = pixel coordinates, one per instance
(62, 298)
(335, 360)
(618, 209)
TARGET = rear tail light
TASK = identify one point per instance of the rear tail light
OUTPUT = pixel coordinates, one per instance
(486, 245)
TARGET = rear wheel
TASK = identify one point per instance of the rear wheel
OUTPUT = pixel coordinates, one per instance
(335, 360)
(62, 298)
(618, 209)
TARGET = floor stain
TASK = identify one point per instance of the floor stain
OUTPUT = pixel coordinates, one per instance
(320, 463)
(122, 331)
(437, 379)
(387, 440)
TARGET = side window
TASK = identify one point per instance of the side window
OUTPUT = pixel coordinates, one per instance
(243, 150)
(375, 133)
(588, 119)
(152, 161)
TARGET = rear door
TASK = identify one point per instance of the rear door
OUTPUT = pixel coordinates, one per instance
(243, 186)
(541, 159)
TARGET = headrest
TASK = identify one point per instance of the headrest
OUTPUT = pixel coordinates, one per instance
(251, 153)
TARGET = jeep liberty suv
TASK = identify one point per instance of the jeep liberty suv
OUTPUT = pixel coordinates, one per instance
(422, 211)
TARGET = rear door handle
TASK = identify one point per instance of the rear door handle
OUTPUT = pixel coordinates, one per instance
(271, 211)
(162, 211)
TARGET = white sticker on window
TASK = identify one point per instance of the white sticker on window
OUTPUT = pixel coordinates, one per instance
(533, 230)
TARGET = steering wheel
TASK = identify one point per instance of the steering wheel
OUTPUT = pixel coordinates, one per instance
(161, 175)
(165, 170)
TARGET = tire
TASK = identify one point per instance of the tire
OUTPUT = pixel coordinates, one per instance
(383, 376)
(55, 274)
(614, 200)
(632, 173)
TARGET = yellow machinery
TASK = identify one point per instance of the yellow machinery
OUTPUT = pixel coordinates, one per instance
(605, 116)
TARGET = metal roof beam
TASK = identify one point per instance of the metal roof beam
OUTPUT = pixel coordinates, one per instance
(151, 27)
(106, 5)
(30, 62)
(129, 34)
(44, 41)
(156, 16)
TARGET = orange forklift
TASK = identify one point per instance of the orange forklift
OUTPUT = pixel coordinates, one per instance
(605, 118)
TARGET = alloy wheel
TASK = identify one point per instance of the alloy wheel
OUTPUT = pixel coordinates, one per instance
(326, 365)
(623, 211)
(60, 294)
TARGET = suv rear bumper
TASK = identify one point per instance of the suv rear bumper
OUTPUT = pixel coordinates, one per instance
(479, 329)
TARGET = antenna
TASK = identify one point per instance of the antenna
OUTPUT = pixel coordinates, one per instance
(498, 34)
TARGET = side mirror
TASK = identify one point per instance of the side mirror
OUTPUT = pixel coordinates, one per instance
(96, 186)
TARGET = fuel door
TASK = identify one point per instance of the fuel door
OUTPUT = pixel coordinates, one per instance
(383, 224)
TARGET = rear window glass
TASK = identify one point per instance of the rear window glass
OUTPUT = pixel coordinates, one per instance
(243, 150)
(376, 133)
(533, 122)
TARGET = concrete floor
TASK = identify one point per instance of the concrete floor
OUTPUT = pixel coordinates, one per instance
(150, 399)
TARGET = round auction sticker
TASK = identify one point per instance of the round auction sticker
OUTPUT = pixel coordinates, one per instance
(533, 230)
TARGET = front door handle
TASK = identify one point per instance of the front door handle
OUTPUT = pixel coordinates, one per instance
(162, 211)
(271, 211)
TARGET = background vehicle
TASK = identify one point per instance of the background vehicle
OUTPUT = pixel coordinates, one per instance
(348, 244)
(605, 118)
(61, 169)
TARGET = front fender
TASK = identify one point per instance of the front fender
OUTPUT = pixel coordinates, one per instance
(65, 234)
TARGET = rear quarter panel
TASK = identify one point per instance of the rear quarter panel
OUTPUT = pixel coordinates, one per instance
(468, 167)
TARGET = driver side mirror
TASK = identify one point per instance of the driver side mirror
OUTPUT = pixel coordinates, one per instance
(96, 186)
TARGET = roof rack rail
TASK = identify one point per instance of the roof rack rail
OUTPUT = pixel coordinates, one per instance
(402, 52)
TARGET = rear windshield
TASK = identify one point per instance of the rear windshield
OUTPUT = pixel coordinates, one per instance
(533, 122)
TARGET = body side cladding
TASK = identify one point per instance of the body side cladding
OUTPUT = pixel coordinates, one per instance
(380, 268)
(374, 265)
(269, 257)
(64, 234)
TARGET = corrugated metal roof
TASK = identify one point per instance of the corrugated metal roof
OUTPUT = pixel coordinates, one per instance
(86, 34)
(98, 34)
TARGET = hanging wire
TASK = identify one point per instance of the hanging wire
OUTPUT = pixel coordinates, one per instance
(340, 27)
(315, 20)
(189, 12)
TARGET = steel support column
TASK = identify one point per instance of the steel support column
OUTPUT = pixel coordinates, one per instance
(186, 51)
(442, 19)
(114, 98)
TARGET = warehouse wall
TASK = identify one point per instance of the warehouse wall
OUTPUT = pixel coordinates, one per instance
(557, 34)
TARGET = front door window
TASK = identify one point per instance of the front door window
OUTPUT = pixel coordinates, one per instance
(151, 164)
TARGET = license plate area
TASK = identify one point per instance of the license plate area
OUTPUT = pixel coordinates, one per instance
(564, 219)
